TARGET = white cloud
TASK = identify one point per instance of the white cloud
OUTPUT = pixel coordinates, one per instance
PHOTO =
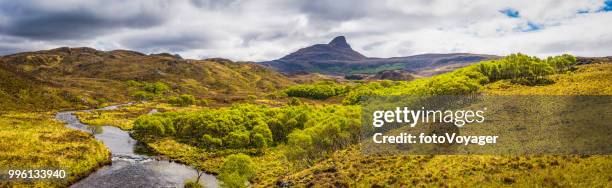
(259, 30)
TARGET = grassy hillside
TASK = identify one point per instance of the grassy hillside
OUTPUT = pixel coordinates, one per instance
(36, 141)
(352, 168)
(78, 77)
(19, 91)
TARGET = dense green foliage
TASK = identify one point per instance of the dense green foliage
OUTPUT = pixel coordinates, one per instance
(237, 170)
(520, 68)
(183, 100)
(321, 90)
(310, 130)
(525, 69)
(146, 90)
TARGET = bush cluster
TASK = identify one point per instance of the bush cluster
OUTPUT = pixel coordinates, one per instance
(237, 170)
(183, 100)
(519, 68)
(310, 129)
(322, 90)
(148, 91)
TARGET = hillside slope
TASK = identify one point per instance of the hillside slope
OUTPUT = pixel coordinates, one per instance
(350, 167)
(65, 77)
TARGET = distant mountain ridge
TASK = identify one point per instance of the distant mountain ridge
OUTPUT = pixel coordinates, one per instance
(338, 58)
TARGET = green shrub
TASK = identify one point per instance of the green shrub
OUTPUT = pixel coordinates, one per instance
(143, 95)
(210, 142)
(133, 83)
(156, 88)
(237, 139)
(259, 141)
(318, 139)
(519, 66)
(251, 97)
(203, 102)
(320, 91)
(153, 126)
(294, 101)
(261, 136)
(183, 100)
(148, 90)
(232, 180)
(237, 170)
(192, 184)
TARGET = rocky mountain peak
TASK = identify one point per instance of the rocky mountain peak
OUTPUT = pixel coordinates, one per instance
(339, 42)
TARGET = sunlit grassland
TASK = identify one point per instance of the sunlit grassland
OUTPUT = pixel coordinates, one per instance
(36, 141)
(352, 168)
(593, 79)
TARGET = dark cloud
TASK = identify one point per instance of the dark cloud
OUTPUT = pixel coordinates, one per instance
(8, 49)
(213, 4)
(167, 43)
(261, 36)
(27, 19)
(373, 45)
(339, 10)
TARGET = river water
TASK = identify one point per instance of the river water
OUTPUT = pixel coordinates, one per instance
(130, 168)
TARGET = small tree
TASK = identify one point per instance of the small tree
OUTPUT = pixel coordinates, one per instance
(236, 170)
(199, 173)
(183, 100)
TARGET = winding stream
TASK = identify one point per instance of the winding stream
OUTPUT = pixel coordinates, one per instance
(129, 168)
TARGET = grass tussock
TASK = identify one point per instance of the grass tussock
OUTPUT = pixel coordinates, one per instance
(36, 141)
(353, 169)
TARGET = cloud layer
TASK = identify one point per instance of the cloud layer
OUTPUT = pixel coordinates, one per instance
(257, 30)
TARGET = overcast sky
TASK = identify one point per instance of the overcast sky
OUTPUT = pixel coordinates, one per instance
(257, 30)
